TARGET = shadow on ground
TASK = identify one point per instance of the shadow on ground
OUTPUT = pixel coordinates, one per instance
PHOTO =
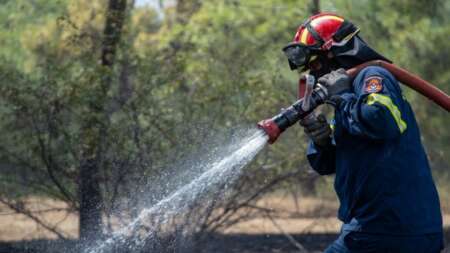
(217, 243)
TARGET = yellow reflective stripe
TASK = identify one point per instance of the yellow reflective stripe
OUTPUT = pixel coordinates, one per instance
(387, 102)
(304, 36)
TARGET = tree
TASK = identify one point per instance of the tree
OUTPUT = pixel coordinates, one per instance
(95, 131)
(315, 7)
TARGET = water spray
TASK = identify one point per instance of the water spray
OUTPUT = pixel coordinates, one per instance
(317, 95)
(216, 174)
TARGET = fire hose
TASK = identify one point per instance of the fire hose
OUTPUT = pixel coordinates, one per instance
(316, 96)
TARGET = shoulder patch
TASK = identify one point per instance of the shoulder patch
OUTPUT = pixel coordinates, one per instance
(373, 84)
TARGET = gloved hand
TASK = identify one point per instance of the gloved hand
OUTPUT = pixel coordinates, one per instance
(318, 129)
(336, 82)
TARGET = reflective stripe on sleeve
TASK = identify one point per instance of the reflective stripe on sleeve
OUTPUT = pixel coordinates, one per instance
(387, 102)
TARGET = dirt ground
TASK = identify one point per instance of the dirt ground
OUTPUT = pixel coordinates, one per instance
(18, 227)
(310, 222)
(307, 216)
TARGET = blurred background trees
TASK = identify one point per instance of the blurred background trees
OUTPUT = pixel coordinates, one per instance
(78, 125)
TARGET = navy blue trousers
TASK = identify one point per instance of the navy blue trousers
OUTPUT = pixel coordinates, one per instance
(357, 242)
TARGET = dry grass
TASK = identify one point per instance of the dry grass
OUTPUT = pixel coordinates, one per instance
(16, 227)
(307, 215)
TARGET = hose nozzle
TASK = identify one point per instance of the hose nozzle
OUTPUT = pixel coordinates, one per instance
(271, 128)
(276, 125)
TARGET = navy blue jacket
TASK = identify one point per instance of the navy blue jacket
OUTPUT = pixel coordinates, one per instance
(383, 179)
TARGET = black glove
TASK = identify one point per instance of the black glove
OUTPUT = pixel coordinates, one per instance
(336, 82)
(318, 129)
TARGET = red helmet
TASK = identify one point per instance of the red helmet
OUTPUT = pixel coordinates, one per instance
(318, 34)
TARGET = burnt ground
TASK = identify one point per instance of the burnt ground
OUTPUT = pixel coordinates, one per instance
(269, 243)
(244, 243)
(217, 243)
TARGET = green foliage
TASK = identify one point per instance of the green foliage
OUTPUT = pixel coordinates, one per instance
(16, 16)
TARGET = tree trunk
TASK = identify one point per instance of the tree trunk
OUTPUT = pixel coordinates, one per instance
(95, 129)
(314, 7)
(90, 200)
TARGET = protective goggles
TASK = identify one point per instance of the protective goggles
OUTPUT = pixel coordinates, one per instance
(298, 54)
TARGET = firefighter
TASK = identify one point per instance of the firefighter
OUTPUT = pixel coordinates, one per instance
(388, 200)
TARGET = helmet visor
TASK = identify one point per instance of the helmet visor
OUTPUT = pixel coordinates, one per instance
(298, 55)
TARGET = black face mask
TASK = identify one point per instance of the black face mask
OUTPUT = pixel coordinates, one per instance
(327, 65)
(355, 52)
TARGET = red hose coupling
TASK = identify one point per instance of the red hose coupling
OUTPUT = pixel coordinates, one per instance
(271, 128)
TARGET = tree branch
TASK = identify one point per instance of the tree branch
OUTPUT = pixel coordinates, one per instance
(22, 210)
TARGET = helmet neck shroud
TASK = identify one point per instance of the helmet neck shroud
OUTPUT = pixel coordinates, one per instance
(355, 52)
